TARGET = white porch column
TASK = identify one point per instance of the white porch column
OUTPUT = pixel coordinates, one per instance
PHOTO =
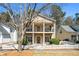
(77, 36)
(43, 32)
(54, 30)
(33, 34)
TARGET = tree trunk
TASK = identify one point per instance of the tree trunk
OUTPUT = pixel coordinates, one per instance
(19, 38)
(19, 44)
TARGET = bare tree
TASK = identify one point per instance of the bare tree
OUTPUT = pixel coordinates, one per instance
(25, 18)
(77, 18)
(58, 15)
(69, 21)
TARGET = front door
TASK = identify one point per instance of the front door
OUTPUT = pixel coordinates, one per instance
(38, 40)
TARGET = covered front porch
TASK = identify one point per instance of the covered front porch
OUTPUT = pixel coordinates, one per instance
(39, 38)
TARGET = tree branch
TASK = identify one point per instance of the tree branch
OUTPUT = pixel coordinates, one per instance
(9, 10)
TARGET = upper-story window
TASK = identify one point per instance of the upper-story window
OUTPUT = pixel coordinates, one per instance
(29, 28)
(48, 28)
(38, 28)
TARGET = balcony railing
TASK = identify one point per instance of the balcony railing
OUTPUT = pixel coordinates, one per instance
(40, 30)
(46, 30)
(29, 30)
(49, 30)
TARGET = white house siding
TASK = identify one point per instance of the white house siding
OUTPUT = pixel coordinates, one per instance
(15, 36)
(6, 38)
(0, 37)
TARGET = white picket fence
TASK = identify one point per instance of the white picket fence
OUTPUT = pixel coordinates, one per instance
(15, 46)
(54, 47)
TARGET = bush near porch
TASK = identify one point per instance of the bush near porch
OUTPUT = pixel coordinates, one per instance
(25, 41)
(54, 41)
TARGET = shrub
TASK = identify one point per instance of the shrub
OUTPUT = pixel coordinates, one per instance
(77, 42)
(54, 41)
(66, 39)
(25, 41)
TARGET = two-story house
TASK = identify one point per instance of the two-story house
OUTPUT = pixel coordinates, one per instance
(41, 30)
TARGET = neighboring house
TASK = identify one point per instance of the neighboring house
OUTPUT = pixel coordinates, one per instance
(68, 32)
(41, 30)
(76, 28)
(7, 34)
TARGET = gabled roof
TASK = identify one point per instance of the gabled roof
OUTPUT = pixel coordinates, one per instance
(75, 27)
(46, 17)
(7, 25)
(3, 30)
(36, 14)
(42, 18)
(67, 28)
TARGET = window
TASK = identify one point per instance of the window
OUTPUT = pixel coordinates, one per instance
(38, 39)
(48, 28)
(52, 29)
(6, 36)
(60, 31)
(29, 28)
(47, 39)
(10, 30)
(29, 38)
(73, 38)
(78, 37)
(38, 28)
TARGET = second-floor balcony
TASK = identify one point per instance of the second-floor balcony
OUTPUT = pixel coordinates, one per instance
(29, 30)
(49, 30)
(40, 29)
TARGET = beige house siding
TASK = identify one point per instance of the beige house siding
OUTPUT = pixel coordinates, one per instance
(40, 29)
(65, 34)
